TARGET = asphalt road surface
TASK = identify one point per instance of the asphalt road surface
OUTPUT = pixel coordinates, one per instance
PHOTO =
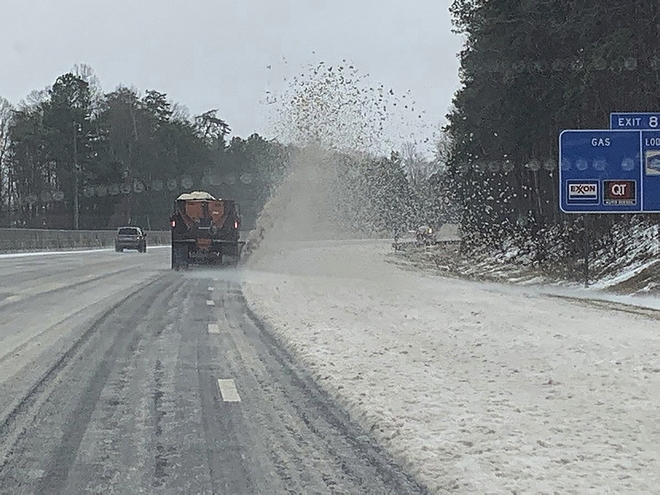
(118, 375)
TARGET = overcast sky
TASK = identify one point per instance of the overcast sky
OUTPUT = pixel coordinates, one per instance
(216, 53)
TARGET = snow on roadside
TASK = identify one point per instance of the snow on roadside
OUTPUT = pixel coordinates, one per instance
(474, 388)
(624, 275)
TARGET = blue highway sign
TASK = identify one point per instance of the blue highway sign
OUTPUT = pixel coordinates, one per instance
(651, 170)
(610, 171)
(634, 121)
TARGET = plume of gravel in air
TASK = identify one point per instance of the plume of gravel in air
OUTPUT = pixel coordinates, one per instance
(301, 208)
(337, 108)
(334, 117)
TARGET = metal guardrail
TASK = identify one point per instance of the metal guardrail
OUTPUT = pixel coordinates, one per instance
(45, 239)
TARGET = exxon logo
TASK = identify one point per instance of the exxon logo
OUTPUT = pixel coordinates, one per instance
(577, 190)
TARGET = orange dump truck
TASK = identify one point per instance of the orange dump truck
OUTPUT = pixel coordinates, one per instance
(205, 230)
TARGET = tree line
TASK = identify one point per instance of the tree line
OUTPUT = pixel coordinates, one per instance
(72, 156)
(529, 69)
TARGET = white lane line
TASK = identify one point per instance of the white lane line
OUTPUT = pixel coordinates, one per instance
(61, 253)
(214, 328)
(228, 390)
(210, 302)
(52, 253)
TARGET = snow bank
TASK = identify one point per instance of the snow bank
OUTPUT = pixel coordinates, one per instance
(474, 388)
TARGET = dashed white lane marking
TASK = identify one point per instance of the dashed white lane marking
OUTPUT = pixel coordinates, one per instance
(210, 302)
(228, 390)
(214, 328)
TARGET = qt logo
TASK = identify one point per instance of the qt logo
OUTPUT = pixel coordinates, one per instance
(619, 192)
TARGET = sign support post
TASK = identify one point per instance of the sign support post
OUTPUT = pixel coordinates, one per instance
(586, 251)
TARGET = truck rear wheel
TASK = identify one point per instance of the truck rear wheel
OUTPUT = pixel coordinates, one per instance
(175, 265)
(179, 257)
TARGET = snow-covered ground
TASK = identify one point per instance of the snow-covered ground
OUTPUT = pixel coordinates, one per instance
(479, 388)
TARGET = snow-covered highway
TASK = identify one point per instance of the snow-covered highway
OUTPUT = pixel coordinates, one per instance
(475, 388)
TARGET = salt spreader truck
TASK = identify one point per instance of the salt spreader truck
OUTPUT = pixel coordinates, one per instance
(205, 230)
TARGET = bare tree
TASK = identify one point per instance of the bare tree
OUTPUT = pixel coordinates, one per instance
(6, 111)
(87, 74)
(35, 98)
(442, 151)
(418, 168)
(180, 112)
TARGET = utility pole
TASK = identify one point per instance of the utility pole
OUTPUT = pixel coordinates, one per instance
(10, 191)
(75, 173)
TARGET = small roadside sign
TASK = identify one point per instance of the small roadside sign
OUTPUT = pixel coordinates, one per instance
(634, 120)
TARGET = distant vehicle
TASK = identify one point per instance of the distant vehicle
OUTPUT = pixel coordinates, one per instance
(204, 230)
(131, 238)
(425, 236)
